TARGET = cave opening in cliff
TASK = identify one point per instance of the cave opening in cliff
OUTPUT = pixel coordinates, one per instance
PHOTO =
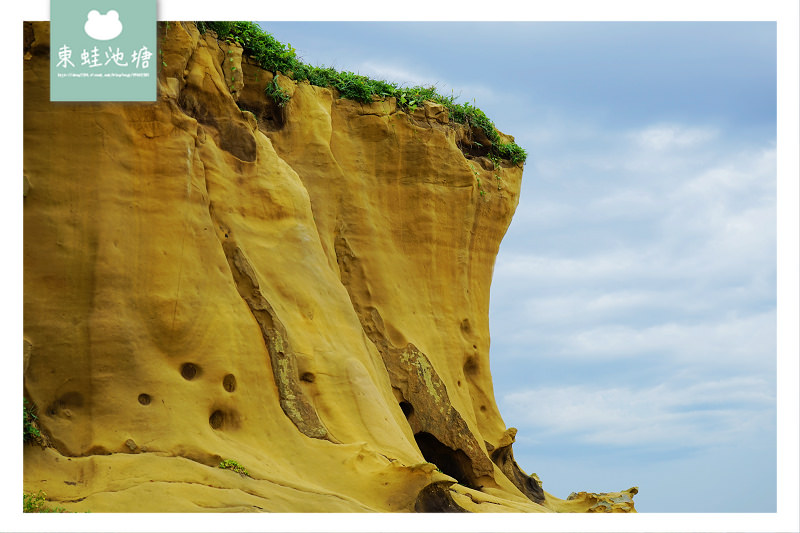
(454, 463)
(407, 408)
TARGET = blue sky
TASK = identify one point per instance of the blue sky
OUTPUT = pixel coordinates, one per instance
(633, 310)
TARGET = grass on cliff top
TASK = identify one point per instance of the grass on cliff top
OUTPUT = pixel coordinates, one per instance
(275, 56)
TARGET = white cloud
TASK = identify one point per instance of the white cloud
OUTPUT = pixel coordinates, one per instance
(697, 217)
(395, 73)
(627, 202)
(638, 253)
(667, 415)
(555, 270)
(666, 136)
(542, 214)
(592, 305)
(561, 331)
(409, 77)
(749, 340)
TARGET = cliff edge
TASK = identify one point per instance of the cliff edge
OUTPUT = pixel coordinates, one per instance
(298, 293)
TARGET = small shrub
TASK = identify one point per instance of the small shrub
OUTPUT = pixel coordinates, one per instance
(274, 91)
(35, 503)
(511, 151)
(230, 464)
(30, 425)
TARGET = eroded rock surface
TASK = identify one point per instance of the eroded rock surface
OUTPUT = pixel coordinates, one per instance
(303, 290)
(605, 502)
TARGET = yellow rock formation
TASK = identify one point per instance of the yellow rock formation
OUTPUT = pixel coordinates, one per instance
(303, 290)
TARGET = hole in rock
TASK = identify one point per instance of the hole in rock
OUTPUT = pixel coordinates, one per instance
(216, 419)
(65, 404)
(407, 408)
(229, 383)
(71, 399)
(98, 450)
(475, 149)
(189, 371)
(471, 365)
(308, 377)
(144, 399)
(454, 463)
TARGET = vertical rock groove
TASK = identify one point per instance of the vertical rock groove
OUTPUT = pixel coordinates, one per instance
(284, 366)
(293, 400)
(442, 434)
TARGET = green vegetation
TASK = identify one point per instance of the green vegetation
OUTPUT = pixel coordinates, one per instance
(230, 464)
(276, 57)
(478, 179)
(233, 69)
(30, 426)
(274, 91)
(35, 503)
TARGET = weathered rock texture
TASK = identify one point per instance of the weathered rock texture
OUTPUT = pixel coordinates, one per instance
(304, 290)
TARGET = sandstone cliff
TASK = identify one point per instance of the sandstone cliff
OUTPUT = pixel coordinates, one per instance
(303, 290)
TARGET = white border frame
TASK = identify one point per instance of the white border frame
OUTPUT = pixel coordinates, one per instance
(787, 519)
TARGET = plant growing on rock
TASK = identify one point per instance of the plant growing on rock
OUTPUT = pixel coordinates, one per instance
(230, 464)
(35, 503)
(30, 424)
(272, 55)
(274, 91)
(478, 180)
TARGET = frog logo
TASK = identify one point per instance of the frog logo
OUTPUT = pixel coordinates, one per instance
(102, 27)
